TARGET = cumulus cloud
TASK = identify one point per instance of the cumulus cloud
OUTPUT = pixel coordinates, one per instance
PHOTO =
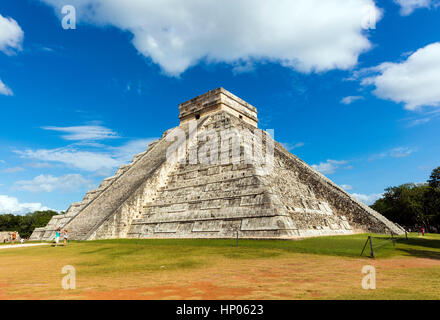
(5, 90)
(82, 133)
(350, 99)
(49, 183)
(408, 6)
(368, 199)
(414, 82)
(12, 205)
(11, 35)
(307, 35)
(329, 166)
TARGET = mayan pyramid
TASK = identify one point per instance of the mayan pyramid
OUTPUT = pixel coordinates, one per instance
(216, 175)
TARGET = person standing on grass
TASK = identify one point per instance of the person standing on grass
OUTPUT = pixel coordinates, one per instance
(57, 236)
(66, 236)
(21, 240)
(14, 236)
(423, 231)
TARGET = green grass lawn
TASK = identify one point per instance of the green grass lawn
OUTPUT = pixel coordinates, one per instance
(347, 246)
(131, 263)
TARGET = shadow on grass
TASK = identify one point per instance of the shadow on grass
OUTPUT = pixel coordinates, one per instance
(99, 250)
(422, 253)
(420, 247)
(347, 246)
(421, 242)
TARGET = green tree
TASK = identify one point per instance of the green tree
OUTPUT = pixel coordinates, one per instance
(433, 198)
(26, 224)
(404, 204)
(413, 204)
(434, 179)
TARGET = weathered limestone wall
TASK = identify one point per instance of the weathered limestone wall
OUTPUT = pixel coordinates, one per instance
(106, 203)
(342, 213)
(37, 234)
(118, 224)
(214, 200)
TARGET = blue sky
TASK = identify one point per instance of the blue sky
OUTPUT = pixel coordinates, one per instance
(359, 101)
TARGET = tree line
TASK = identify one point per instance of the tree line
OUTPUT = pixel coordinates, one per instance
(25, 224)
(413, 205)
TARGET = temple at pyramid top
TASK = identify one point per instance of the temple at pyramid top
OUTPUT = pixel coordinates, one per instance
(215, 101)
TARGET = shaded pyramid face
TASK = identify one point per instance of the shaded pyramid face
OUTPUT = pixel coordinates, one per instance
(215, 176)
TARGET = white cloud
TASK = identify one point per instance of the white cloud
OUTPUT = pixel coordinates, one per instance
(290, 147)
(72, 156)
(11, 35)
(243, 67)
(414, 82)
(368, 199)
(82, 133)
(400, 152)
(39, 165)
(49, 183)
(350, 99)
(98, 159)
(418, 122)
(421, 118)
(307, 35)
(346, 187)
(5, 90)
(87, 154)
(11, 38)
(12, 170)
(329, 166)
(408, 6)
(127, 151)
(12, 205)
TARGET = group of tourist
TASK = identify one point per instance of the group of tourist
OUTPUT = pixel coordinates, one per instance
(13, 237)
(58, 234)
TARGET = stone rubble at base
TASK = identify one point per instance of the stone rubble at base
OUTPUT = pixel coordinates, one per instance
(155, 198)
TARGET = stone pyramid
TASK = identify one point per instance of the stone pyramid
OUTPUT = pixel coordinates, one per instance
(216, 175)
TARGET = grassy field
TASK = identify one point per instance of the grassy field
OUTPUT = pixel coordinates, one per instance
(315, 268)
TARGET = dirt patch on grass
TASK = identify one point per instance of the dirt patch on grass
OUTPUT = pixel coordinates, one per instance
(407, 263)
(314, 277)
(290, 276)
(198, 290)
(5, 294)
